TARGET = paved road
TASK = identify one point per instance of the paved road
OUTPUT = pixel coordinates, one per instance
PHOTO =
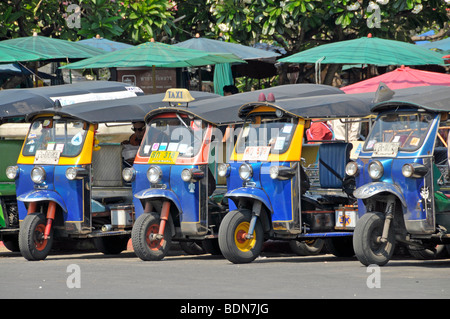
(94, 275)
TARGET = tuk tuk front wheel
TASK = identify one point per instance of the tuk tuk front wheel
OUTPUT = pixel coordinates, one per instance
(233, 242)
(32, 244)
(146, 244)
(366, 240)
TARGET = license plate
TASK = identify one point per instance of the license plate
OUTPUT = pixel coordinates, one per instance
(385, 149)
(47, 157)
(163, 157)
(346, 218)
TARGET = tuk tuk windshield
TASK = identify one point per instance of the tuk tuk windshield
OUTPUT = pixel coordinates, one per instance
(173, 134)
(65, 136)
(275, 135)
(405, 130)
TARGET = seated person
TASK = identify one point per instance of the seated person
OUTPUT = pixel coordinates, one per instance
(131, 146)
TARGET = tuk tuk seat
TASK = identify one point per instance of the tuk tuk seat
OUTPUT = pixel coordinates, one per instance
(333, 157)
(107, 179)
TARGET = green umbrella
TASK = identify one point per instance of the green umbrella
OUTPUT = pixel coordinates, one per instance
(367, 50)
(54, 49)
(222, 76)
(10, 54)
(154, 54)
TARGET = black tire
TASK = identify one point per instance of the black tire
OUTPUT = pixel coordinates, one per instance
(233, 247)
(31, 243)
(111, 245)
(423, 253)
(307, 247)
(211, 246)
(367, 249)
(144, 248)
(192, 247)
(340, 246)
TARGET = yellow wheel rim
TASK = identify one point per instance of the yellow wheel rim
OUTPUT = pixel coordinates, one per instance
(241, 242)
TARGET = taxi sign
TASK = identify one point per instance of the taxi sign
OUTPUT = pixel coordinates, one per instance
(178, 95)
(163, 157)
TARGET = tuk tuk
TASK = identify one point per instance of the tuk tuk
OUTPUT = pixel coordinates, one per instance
(402, 176)
(269, 193)
(15, 104)
(176, 186)
(69, 175)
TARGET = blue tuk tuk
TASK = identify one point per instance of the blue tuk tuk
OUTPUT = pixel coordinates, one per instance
(269, 193)
(15, 105)
(402, 176)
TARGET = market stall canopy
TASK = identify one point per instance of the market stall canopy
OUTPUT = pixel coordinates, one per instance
(400, 78)
(224, 109)
(154, 54)
(53, 49)
(443, 45)
(239, 50)
(123, 110)
(367, 50)
(433, 98)
(17, 103)
(105, 44)
(11, 54)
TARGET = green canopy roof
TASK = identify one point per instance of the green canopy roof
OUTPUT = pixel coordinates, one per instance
(154, 54)
(10, 54)
(53, 49)
(367, 50)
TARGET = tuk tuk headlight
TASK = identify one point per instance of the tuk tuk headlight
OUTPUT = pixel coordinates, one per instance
(154, 174)
(414, 170)
(38, 175)
(351, 169)
(128, 174)
(223, 170)
(192, 174)
(375, 170)
(73, 173)
(245, 172)
(12, 172)
(281, 172)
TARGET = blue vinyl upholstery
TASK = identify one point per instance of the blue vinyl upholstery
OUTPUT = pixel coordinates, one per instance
(333, 157)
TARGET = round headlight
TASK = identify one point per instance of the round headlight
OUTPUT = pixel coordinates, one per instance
(245, 172)
(274, 171)
(186, 175)
(407, 170)
(223, 169)
(154, 174)
(38, 175)
(128, 174)
(351, 169)
(12, 172)
(71, 173)
(375, 170)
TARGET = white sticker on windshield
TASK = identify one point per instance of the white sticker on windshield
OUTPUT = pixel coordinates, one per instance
(77, 139)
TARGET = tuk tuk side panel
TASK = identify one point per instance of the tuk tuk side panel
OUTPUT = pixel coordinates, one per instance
(10, 150)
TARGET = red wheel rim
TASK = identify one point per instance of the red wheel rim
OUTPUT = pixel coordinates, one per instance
(153, 244)
(39, 242)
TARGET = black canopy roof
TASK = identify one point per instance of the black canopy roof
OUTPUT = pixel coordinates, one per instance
(119, 110)
(432, 98)
(322, 106)
(224, 109)
(18, 103)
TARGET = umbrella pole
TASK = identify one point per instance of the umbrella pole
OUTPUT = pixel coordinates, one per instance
(154, 78)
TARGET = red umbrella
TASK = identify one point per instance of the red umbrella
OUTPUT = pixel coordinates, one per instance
(400, 78)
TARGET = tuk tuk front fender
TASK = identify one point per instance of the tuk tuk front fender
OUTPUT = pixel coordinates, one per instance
(42, 196)
(252, 193)
(155, 193)
(372, 189)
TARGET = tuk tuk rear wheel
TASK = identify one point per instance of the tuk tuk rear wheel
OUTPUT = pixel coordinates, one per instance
(232, 241)
(32, 244)
(144, 230)
(111, 245)
(368, 248)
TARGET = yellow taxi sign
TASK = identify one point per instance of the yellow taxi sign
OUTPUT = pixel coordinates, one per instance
(178, 95)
